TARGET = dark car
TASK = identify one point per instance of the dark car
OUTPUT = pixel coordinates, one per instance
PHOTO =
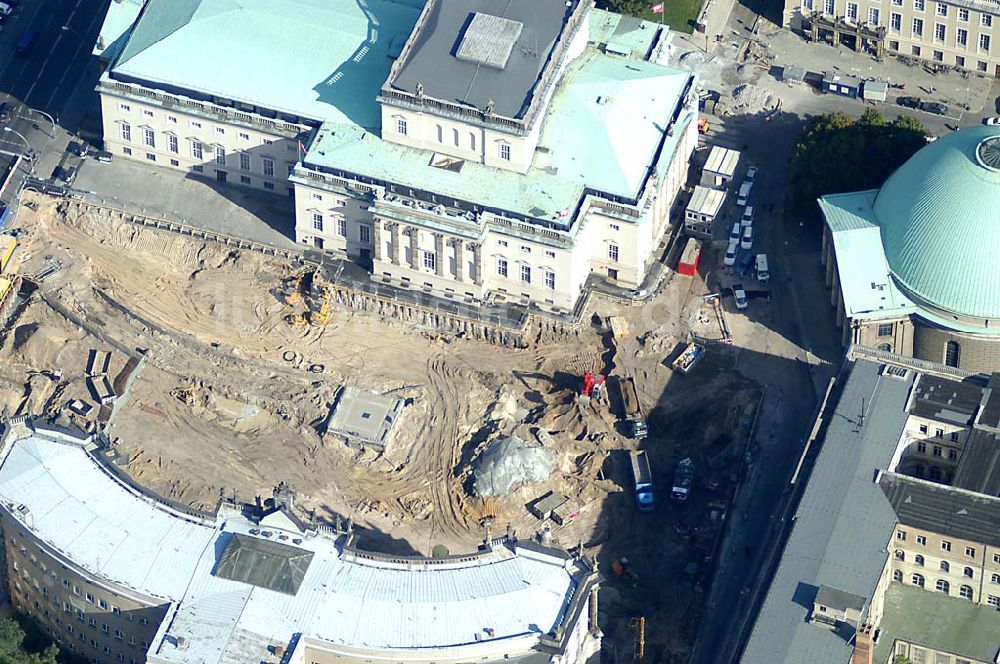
(69, 174)
(27, 42)
(77, 149)
(909, 102)
(935, 107)
(6, 111)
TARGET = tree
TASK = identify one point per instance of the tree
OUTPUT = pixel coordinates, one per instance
(901, 659)
(630, 7)
(835, 154)
(12, 648)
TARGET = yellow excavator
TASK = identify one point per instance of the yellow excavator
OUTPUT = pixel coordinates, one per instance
(307, 282)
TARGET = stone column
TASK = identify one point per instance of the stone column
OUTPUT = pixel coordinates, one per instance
(396, 245)
(835, 292)
(439, 254)
(459, 248)
(377, 237)
(414, 248)
(477, 262)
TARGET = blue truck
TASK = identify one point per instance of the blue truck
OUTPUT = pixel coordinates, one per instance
(643, 479)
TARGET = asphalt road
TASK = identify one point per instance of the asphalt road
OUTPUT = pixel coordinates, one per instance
(51, 87)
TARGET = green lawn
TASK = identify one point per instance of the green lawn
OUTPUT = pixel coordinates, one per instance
(678, 14)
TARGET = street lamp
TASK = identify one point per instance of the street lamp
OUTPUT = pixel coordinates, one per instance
(26, 143)
(46, 115)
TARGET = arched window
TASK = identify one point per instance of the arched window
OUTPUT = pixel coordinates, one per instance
(900, 555)
(945, 567)
(967, 572)
(897, 575)
(942, 586)
(917, 580)
(472, 140)
(952, 353)
(965, 591)
(454, 136)
(918, 560)
(885, 347)
(440, 133)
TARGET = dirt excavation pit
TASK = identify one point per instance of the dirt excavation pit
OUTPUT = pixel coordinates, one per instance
(217, 395)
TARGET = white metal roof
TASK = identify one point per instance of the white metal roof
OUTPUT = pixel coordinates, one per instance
(707, 201)
(353, 602)
(723, 161)
(72, 505)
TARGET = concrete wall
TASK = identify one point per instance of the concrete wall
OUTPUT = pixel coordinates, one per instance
(903, 40)
(85, 616)
(252, 156)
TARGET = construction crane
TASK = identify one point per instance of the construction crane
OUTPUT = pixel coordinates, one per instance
(322, 315)
(639, 625)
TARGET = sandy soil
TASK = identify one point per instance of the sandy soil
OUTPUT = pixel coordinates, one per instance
(222, 401)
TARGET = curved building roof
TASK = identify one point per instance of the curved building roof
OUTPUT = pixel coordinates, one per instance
(939, 216)
(472, 607)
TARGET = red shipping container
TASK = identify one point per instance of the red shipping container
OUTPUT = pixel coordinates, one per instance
(689, 258)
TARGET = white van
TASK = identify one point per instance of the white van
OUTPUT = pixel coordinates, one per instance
(743, 197)
(747, 219)
(730, 258)
(762, 273)
(747, 242)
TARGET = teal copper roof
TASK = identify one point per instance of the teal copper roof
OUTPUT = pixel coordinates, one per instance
(318, 59)
(939, 214)
(622, 108)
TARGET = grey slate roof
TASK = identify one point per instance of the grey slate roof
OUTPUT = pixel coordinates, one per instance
(943, 509)
(989, 415)
(945, 399)
(838, 599)
(979, 467)
(433, 61)
(842, 525)
(263, 563)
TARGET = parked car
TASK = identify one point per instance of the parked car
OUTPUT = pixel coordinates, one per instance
(6, 112)
(730, 259)
(909, 102)
(747, 219)
(743, 196)
(992, 122)
(935, 107)
(747, 241)
(743, 264)
(69, 174)
(740, 295)
(736, 232)
(751, 174)
(77, 149)
(104, 156)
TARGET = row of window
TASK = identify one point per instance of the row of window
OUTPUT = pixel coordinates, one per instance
(944, 565)
(194, 124)
(938, 450)
(548, 276)
(198, 150)
(503, 148)
(985, 20)
(970, 551)
(941, 585)
(982, 66)
(526, 249)
(939, 433)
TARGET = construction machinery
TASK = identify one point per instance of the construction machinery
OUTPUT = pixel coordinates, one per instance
(308, 285)
(593, 386)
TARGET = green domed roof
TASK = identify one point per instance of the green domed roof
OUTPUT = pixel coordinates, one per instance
(939, 215)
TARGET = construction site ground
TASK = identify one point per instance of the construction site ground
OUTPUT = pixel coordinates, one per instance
(220, 396)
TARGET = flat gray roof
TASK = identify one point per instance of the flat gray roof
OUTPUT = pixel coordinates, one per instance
(443, 52)
(842, 525)
(364, 416)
